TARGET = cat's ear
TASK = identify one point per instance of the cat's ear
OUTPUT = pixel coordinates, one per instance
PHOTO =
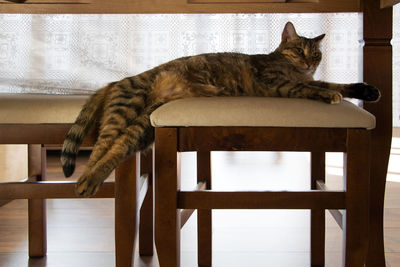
(289, 33)
(318, 39)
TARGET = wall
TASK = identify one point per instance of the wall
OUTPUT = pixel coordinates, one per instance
(13, 162)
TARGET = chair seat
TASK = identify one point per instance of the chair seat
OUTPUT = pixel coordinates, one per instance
(260, 112)
(40, 108)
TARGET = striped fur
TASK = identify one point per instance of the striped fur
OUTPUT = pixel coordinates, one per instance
(122, 109)
(85, 120)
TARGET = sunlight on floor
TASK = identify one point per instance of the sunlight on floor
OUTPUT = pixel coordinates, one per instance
(334, 162)
(394, 162)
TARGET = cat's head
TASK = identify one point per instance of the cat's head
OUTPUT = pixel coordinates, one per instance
(304, 53)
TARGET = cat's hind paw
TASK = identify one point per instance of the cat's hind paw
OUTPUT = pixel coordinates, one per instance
(364, 92)
(87, 186)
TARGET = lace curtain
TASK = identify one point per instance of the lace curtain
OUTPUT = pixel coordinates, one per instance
(69, 54)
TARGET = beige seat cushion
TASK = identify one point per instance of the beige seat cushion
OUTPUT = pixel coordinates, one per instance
(260, 111)
(36, 108)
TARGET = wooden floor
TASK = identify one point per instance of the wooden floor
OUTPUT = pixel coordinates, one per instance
(81, 231)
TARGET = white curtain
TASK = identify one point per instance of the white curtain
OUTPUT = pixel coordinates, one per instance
(67, 54)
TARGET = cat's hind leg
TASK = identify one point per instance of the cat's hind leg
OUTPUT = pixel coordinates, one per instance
(135, 137)
(87, 118)
(123, 106)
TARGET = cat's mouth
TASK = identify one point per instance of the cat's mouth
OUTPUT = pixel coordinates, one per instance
(306, 69)
(310, 67)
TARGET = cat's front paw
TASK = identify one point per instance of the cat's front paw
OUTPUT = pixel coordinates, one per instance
(364, 92)
(87, 186)
(336, 98)
(330, 97)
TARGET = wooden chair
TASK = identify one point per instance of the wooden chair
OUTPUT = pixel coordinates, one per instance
(41, 120)
(377, 70)
(261, 124)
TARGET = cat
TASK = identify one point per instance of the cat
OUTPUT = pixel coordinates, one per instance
(121, 110)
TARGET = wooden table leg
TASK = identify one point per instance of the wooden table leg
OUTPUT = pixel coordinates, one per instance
(126, 192)
(378, 52)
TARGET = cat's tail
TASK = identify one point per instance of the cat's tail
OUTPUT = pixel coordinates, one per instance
(83, 123)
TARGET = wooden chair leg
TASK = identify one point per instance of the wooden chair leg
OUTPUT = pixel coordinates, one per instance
(146, 224)
(126, 192)
(356, 181)
(204, 217)
(167, 183)
(37, 207)
(376, 249)
(317, 216)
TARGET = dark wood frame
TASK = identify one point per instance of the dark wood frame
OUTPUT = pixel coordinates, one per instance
(169, 199)
(378, 52)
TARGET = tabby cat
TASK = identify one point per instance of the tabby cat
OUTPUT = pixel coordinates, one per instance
(121, 110)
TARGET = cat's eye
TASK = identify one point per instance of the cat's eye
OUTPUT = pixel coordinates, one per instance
(300, 51)
(316, 55)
